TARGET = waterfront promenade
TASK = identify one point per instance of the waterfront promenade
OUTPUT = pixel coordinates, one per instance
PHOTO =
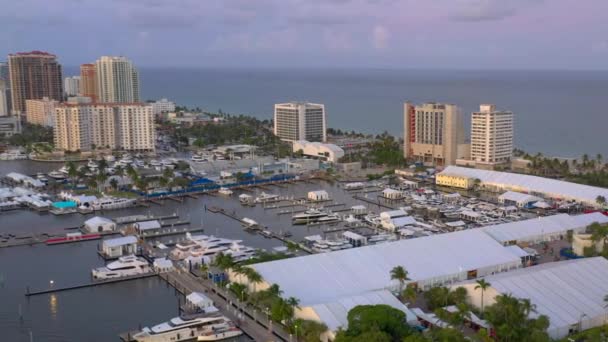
(254, 323)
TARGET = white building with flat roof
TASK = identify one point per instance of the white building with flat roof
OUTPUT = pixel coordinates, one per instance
(491, 135)
(162, 106)
(534, 185)
(570, 293)
(327, 152)
(300, 121)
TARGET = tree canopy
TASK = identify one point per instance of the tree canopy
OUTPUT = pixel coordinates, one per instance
(374, 323)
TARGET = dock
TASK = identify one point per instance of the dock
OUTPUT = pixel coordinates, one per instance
(29, 293)
(254, 324)
(364, 199)
(141, 218)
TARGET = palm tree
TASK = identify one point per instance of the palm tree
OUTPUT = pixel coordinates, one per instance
(254, 277)
(102, 178)
(601, 200)
(72, 173)
(482, 284)
(275, 290)
(400, 274)
(114, 184)
(294, 303)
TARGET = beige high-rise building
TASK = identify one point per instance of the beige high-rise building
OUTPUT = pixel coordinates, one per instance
(88, 81)
(300, 121)
(41, 112)
(491, 135)
(434, 133)
(5, 104)
(83, 126)
(117, 80)
(34, 75)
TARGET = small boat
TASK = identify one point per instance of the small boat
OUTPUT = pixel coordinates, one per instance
(354, 186)
(155, 163)
(125, 266)
(109, 158)
(92, 164)
(41, 177)
(197, 158)
(57, 175)
(266, 233)
(246, 199)
(225, 191)
(264, 197)
(72, 237)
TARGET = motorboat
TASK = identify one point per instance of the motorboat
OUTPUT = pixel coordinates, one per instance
(354, 186)
(126, 159)
(309, 216)
(197, 158)
(225, 191)
(57, 175)
(125, 266)
(264, 197)
(109, 158)
(220, 332)
(330, 218)
(41, 177)
(109, 203)
(64, 170)
(246, 199)
(155, 163)
(182, 329)
(203, 249)
(92, 164)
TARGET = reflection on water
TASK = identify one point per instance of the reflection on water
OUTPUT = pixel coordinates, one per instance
(53, 305)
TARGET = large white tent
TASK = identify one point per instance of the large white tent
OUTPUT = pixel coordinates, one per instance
(542, 229)
(335, 314)
(433, 260)
(551, 188)
(571, 293)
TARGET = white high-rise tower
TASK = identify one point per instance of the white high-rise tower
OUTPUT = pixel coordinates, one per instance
(117, 80)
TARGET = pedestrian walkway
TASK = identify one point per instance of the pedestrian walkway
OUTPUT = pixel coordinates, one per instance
(255, 324)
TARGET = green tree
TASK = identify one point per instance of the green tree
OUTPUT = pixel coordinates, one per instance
(401, 275)
(114, 183)
(72, 173)
(511, 320)
(309, 331)
(378, 320)
(601, 200)
(482, 285)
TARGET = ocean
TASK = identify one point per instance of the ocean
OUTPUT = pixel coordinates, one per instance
(557, 113)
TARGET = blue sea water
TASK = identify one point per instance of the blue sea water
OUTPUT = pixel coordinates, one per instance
(558, 113)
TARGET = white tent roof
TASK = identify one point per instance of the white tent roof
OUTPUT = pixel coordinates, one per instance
(197, 298)
(529, 230)
(335, 314)
(97, 220)
(154, 224)
(359, 270)
(403, 221)
(550, 187)
(121, 241)
(518, 197)
(563, 290)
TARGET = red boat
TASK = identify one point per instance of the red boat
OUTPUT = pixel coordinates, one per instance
(72, 237)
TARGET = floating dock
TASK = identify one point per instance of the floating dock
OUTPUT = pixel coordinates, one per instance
(29, 293)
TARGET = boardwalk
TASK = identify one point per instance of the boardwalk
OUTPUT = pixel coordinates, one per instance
(254, 324)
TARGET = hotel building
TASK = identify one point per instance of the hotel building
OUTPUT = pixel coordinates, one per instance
(41, 112)
(300, 121)
(434, 133)
(491, 136)
(117, 80)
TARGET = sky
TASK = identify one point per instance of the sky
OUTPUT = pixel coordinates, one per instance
(403, 34)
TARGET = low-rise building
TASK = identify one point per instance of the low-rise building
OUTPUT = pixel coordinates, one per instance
(392, 194)
(10, 125)
(454, 181)
(147, 228)
(162, 106)
(326, 152)
(318, 195)
(199, 302)
(115, 248)
(99, 224)
(395, 219)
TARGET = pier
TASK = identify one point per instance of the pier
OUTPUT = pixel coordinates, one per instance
(253, 323)
(29, 293)
(364, 199)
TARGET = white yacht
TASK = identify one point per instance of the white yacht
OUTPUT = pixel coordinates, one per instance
(182, 329)
(225, 191)
(109, 158)
(202, 248)
(155, 163)
(354, 186)
(197, 158)
(309, 216)
(64, 169)
(57, 175)
(246, 199)
(108, 203)
(41, 177)
(264, 197)
(129, 265)
(126, 159)
(92, 164)
(329, 218)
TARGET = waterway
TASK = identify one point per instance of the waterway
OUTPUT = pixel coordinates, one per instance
(101, 313)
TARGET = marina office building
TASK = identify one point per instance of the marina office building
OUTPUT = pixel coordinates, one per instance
(82, 125)
(300, 121)
(434, 134)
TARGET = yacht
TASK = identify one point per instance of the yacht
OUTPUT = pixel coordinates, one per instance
(126, 159)
(41, 177)
(155, 163)
(92, 164)
(13, 155)
(354, 186)
(225, 191)
(264, 197)
(64, 170)
(309, 216)
(182, 329)
(205, 248)
(246, 199)
(57, 175)
(220, 332)
(197, 158)
(330, 218)
(125, 266)
(109, 158)
(108, 203)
